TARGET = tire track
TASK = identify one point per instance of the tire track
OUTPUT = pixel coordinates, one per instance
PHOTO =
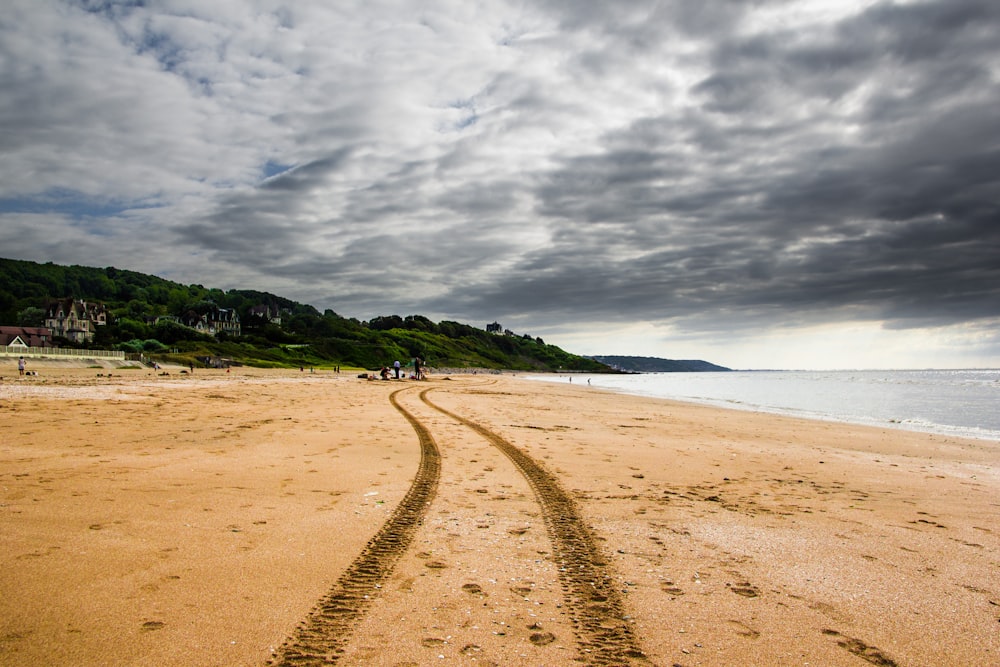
(320, 639)
(595, 606)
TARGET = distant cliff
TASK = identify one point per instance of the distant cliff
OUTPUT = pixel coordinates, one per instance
(657, 365)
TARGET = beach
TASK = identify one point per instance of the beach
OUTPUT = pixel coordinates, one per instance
(254, 517)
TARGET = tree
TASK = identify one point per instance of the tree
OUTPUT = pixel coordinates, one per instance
(31, 317)
(171, 332)
(385, 322)
(132, 328)
(420, 323)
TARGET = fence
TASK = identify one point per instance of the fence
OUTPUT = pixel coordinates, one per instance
(23, 351)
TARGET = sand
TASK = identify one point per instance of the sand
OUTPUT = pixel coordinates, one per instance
(263, 517)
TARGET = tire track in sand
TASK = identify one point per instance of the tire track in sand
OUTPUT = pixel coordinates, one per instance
(320, 639)
(594, 604)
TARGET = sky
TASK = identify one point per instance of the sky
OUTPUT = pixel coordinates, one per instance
(805, 184)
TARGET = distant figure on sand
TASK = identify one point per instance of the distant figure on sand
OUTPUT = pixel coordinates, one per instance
(416, 367)
(395, 367)
(20, 366)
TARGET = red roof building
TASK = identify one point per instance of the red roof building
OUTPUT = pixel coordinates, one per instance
(14, 337)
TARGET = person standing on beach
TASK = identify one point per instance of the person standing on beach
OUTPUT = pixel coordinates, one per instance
(416, 367)
(395, 367)
(20, 366)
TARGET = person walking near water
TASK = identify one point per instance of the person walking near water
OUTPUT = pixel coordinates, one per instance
(20, 366)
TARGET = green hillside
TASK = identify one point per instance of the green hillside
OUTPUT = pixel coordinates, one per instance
(305, 337)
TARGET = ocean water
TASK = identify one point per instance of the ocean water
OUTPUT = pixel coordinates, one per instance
(955, 402)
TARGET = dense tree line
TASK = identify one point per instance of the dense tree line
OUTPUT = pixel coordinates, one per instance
(304, 337)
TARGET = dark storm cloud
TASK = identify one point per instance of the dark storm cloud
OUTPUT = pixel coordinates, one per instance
(641, 21)
(780, 193)
(263, 223)
(304, 179)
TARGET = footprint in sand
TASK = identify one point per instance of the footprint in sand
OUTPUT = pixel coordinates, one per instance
(669, 587)
(862, 650)
(743, 630)
(473, 589)
(541, 638)
(746, 589)
(430, 642)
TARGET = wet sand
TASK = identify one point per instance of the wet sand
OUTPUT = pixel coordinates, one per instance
(258, 517)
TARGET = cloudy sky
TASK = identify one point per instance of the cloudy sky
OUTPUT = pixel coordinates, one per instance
(761, 184)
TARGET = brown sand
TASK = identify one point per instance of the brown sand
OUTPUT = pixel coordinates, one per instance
(201, 519)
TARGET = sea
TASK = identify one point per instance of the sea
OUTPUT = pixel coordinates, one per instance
(953, 402)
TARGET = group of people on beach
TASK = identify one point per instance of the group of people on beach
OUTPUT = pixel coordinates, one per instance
(418, 370)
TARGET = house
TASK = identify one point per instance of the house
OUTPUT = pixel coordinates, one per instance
(24, 337)
(227, 320)
(267, 313)
(493, 328)
(213, 322)
(75, 320)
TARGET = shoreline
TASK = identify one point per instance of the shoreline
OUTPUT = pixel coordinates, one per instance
(903, 424)
(198, 519)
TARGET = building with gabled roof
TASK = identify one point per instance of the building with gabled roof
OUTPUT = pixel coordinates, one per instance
(25, 337)
(75, 319)
(267, 313)
(213, 322)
